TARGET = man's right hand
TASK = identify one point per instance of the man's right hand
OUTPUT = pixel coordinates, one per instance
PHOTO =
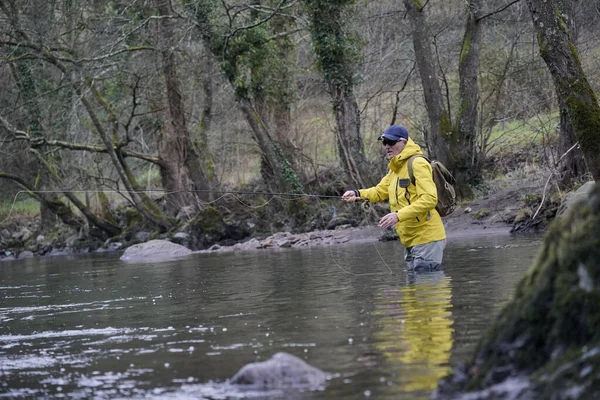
(350, 196)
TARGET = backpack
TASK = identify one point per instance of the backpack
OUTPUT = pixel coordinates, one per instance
(443, 180)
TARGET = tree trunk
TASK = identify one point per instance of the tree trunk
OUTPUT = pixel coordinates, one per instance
(572, 165)
(348, 138)
(182, 171)
(278, 173)
(283, 87)
(337, 60)
(572, 85)
(465, 163)
(440, 125)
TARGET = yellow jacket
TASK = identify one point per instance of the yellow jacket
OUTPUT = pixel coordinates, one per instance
(418, 221)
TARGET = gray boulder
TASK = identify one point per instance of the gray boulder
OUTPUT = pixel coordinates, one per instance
(281, 371)
(26, 254)
(155, 251)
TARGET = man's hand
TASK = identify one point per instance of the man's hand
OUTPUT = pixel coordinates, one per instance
(350, 196)
(388, 220)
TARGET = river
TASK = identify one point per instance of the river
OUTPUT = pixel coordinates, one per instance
(94, 327)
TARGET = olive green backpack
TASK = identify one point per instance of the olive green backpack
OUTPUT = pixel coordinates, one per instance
(444, 182)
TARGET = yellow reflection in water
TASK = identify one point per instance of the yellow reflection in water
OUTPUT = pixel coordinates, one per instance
(416, 329)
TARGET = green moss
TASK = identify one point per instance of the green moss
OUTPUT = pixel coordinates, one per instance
(556, 307)
(466, 46)
(133, 218)
(531, 200)
(481, 214)
(523, 215)
(445, 125)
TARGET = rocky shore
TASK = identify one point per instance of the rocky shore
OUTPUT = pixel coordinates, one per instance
(511, 210)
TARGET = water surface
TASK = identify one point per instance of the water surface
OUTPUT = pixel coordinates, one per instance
(95, 327)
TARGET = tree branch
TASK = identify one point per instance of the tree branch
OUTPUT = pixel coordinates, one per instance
(498, 10)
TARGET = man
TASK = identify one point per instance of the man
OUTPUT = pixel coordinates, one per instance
(412, 205)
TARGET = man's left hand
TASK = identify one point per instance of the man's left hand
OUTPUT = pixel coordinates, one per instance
(388, 220)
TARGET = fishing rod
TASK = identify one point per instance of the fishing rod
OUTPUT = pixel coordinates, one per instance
(267, 193)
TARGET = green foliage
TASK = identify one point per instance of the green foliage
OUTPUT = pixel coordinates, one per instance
(249, 57)
(336, 50)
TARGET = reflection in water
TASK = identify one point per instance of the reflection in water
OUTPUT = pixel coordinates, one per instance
(416, 329)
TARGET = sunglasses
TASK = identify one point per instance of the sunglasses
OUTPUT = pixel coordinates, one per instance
(388, 142)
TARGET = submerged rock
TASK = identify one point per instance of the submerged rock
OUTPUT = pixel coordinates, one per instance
(547, 339)
(281, 371)
(156, 251)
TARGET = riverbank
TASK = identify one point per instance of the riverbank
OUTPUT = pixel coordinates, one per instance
(505, 210)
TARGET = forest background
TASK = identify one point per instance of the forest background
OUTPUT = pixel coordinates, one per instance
(117, 117)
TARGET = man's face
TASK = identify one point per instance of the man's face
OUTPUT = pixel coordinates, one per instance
(392, 149)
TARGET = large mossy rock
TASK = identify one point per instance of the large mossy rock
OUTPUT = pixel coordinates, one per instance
(545, 344)
(209, 228)
(573, 198)
(282, 371)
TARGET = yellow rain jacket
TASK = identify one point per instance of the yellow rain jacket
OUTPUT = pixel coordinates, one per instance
(418, 221)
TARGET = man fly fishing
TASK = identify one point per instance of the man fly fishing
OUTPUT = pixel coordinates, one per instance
(412, 202)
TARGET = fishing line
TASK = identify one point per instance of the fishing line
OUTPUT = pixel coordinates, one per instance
(364, 273)
(231, 193)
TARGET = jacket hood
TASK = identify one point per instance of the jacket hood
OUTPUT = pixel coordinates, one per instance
(409, 150)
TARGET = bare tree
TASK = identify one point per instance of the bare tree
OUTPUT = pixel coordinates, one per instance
(440, 123)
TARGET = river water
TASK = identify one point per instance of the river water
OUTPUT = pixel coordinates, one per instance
(94, 327)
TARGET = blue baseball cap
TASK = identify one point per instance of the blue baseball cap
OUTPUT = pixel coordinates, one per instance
(395, 133)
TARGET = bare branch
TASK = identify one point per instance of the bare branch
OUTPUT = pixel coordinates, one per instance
(498, 10)
(98, 149)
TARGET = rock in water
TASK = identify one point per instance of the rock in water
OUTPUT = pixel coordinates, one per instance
(281, 371)
(155, 251)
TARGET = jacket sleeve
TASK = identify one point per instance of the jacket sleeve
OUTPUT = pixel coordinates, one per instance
(377, 193)
(426, 198)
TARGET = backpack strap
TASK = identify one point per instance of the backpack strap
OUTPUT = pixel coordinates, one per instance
(411, 175)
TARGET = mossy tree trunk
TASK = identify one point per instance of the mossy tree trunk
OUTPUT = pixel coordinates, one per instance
(572, 86)
(455, 145)
(246, 48)
(337, 53)
(183, 174)
(277, 171)
(465, 160)
(572, 166)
